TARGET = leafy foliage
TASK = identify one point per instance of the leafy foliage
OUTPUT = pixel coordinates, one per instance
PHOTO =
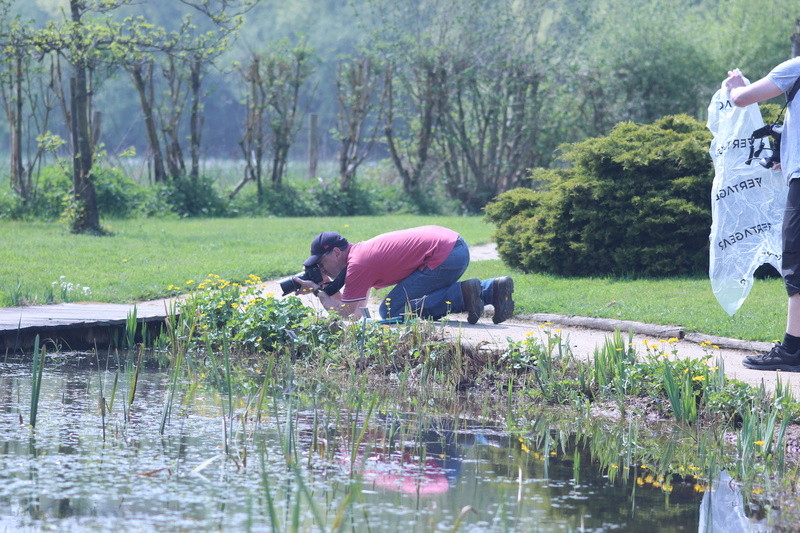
(633, 202)
(253, 322)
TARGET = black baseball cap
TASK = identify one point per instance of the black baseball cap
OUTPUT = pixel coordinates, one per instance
(324, 243)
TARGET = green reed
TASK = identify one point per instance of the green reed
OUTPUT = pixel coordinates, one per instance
(681, 394)
(172, 387)
(36, 379)
(130, 328)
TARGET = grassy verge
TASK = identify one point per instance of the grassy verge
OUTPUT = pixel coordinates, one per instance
(145, 257)
(686, 302)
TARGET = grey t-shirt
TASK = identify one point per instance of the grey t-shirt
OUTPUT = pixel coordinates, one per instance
(784, 76)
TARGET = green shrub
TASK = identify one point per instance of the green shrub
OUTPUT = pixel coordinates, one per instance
(194, 197)
(304, 198)
(632, 203)
(52, 194)
(252, 322)
(118, 196)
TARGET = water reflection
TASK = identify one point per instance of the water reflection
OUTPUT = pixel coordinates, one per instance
(300, 465)
(722, 509)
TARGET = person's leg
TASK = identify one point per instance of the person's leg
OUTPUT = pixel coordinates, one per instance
(430, 293)
(785, 355)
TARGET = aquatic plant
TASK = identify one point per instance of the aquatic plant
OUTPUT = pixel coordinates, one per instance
(36, 379)
(130, 328)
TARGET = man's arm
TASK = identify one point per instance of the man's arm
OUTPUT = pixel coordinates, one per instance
(331, 303)
(344, 309)
(743, 95)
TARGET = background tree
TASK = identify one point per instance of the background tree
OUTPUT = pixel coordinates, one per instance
(274, 79)
(467, 91)
(361, 106)
(26, 103)
(491, 127)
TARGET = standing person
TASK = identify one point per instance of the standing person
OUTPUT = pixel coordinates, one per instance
(784, 355)
(424, 264)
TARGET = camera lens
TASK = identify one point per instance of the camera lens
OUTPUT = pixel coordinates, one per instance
(288, 285)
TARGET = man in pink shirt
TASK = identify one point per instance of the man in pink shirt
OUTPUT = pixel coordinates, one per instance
(424, 264)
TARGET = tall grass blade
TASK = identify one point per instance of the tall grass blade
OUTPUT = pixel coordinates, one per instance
(36, 379)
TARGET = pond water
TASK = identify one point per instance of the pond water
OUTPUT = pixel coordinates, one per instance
(294, 460)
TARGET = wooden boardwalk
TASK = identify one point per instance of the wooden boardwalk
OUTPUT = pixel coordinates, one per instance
(77, 324)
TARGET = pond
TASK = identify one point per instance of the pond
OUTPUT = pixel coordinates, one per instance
(307, 457)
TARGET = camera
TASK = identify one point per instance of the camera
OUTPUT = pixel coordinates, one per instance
(311, 273)
(770, 130)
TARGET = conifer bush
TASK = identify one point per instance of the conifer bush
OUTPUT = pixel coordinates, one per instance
(635, 202)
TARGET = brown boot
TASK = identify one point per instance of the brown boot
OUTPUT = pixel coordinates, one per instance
(473, 304)
(502, 292)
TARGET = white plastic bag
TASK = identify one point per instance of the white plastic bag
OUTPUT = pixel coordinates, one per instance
(747, 203)
(722, 509)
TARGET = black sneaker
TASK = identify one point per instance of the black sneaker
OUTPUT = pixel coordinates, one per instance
(502, 290)
(776, 359)
(473, 304)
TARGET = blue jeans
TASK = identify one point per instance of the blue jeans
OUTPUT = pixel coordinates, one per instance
(430, 293)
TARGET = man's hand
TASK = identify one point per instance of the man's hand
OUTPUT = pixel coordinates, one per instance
(734, 80)
(306, 286)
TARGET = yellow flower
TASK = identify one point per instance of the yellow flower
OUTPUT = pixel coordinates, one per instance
(235, 305)
(189, 282)
(672, 340)
(699, 378)
(758, 491)
(759, 443)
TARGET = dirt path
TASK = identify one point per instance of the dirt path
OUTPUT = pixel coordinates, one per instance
(583, 340)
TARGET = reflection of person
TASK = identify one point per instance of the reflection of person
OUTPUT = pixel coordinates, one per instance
(783, 355)
(423, 263)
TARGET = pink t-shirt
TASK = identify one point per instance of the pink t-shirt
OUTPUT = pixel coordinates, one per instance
(391, 257)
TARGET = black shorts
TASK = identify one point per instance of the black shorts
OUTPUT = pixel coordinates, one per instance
(790, 263)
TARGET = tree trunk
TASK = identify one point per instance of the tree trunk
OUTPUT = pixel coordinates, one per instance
(159, 172)
(313, 145)
(196, 119)
(18, 181)
(86, 218)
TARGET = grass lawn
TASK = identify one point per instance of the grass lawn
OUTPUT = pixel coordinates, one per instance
(145, 256)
